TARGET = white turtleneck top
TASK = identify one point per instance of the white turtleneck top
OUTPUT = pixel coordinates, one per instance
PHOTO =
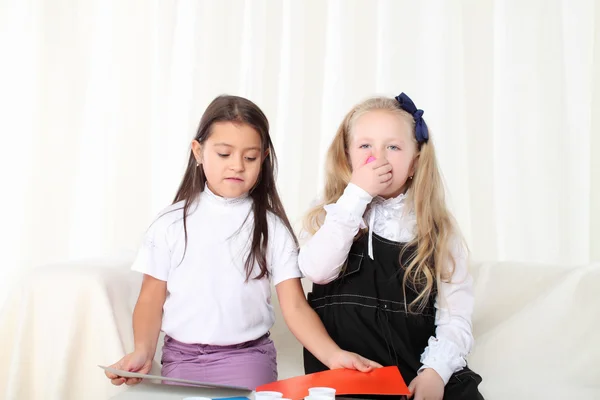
(208, 300)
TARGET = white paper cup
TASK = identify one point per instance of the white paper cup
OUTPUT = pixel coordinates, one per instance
(266, 395)
(322, 392)
(320, 397)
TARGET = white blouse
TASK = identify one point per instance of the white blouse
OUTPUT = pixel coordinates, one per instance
(208, 300)
(322, 257)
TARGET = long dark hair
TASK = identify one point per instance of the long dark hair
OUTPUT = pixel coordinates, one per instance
(264, 194)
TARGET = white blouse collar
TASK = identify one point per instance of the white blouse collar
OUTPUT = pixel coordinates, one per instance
(390, 219)
(225, 200)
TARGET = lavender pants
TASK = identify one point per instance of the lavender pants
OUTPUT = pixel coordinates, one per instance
(248, 364)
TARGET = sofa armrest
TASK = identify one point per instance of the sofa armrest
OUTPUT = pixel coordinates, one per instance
(62, 321)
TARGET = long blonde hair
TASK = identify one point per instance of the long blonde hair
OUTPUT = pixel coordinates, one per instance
(436, 228)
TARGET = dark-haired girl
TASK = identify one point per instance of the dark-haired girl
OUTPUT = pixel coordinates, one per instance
(209, 260)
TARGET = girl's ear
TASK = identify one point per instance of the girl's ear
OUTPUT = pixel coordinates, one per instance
(266, 155)
(197, 150)
(414, 166)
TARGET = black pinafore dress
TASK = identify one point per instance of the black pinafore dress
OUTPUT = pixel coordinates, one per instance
(364, 312)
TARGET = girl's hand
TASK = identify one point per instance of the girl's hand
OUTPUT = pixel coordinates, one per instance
(428, 385)
(133, 362)
(373, 177)
(348, 360)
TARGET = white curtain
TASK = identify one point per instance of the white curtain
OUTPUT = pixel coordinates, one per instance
(99, 100)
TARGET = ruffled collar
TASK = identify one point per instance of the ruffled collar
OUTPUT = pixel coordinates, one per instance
(391, 219)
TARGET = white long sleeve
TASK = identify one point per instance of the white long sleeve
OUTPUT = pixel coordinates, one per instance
(446, 352)
(323, 255)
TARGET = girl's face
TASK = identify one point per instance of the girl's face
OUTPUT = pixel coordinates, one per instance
(231, 158)
(383, 134)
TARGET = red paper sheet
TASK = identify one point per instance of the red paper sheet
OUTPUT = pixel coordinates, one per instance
(383, 381)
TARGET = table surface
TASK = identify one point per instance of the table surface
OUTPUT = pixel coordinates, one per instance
(155, 391)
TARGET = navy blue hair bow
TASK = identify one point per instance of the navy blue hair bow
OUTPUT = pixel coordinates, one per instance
(421, 131)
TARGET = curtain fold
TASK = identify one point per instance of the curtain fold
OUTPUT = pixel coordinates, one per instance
(101, 98)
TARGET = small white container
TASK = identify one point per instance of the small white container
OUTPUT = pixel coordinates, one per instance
(197, 398)
(315, 397)
(266, 395)
(322, 392)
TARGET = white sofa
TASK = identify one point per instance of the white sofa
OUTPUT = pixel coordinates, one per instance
(536, 330)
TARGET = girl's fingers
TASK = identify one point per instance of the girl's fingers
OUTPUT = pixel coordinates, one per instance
(383, 170)
(385, 178)
(380, 162)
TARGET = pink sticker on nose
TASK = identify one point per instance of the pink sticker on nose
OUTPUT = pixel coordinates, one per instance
(370, 159)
